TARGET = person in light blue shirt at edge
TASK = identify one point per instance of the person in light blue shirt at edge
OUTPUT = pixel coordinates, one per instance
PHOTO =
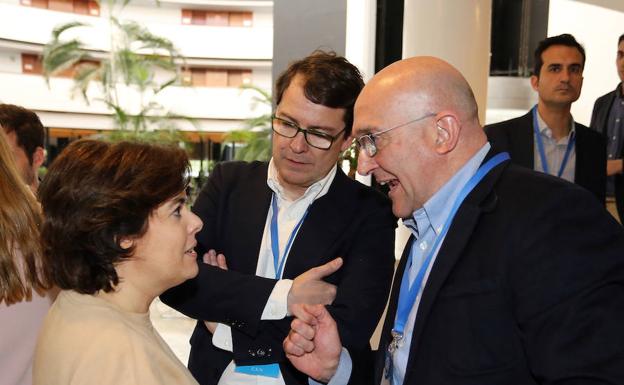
(504, 295)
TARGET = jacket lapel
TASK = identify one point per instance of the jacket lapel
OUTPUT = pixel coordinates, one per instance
(480, 199)
(327, 218)
(521, 142)
(579, 148)
(602, 122)
(392, 308)
(251, 209)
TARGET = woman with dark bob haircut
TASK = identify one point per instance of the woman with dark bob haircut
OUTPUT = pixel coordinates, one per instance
(116, 234)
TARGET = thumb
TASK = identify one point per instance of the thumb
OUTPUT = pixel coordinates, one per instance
(316, 310)
(326, 269)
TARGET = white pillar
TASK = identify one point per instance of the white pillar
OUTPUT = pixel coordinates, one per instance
(360, 44)
(360, 35)
(457, 31)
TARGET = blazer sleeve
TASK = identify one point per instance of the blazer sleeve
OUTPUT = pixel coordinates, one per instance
(594, 123)
(224, 296)
(601, 160)
(363, 284)
(567, 283)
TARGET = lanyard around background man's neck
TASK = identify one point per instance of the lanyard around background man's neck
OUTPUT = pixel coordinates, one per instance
(542, 152)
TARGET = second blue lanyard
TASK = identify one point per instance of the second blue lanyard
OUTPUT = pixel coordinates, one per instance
(407, 292)
(540, 147)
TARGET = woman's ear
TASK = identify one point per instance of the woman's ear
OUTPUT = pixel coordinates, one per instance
(126, 243)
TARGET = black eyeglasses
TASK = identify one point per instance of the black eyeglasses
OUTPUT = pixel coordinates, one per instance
(368, 144)
(314, 138)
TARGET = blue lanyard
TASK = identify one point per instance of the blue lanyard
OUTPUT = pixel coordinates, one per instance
(408, 293)
(278, 263)
(540, 146)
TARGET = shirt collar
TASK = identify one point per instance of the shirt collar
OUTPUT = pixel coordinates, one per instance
(546, 131)
(314, 191)
(436, 210)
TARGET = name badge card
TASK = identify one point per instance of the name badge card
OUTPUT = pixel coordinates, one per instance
(270, 370)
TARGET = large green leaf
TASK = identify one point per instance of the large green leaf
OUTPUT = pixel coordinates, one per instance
(134, 56)
(85, 74)
(59, 56)
(59, 29)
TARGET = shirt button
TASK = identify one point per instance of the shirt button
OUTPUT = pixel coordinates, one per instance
(423, 245)
(614, 137)
(617, 120)
(610, 156)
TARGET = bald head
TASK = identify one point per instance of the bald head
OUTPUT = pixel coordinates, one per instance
(427, 82)
(422, 119)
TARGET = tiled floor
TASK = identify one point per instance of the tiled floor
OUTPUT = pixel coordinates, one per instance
(174, 327)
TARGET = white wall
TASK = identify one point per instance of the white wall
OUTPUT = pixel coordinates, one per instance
(214, 108)
(597, 28)
(192, 41)
(10, 61)
(263, 18)
(32, 92)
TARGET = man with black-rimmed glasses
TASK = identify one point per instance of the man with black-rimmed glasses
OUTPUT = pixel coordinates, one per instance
(282, 225)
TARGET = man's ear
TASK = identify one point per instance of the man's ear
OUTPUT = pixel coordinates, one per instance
(346, 143)
(534, 82)
(38, 157)
(447, 133)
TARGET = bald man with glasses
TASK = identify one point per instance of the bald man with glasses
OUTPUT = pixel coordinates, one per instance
(274, 232)
(510, 277)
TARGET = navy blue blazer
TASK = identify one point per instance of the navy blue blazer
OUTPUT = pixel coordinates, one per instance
(600, 114)
(527, 288)
(516, 137)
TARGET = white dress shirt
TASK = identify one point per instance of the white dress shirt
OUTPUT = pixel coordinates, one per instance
(289, 214)
(555, 151)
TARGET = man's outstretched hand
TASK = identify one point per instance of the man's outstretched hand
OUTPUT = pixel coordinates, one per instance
(309, 287)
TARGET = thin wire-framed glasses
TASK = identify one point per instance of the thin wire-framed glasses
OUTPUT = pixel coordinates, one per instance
(314, 138)
(368, 144)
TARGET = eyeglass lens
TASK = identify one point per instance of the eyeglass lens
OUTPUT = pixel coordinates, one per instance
(290, 130)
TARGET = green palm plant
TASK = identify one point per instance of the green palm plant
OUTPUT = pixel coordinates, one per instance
(134, 56)
(256, 134)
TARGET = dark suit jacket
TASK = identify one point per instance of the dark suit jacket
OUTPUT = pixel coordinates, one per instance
(602, 109)
(351, 221)
(516, 137)
(527, 288)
